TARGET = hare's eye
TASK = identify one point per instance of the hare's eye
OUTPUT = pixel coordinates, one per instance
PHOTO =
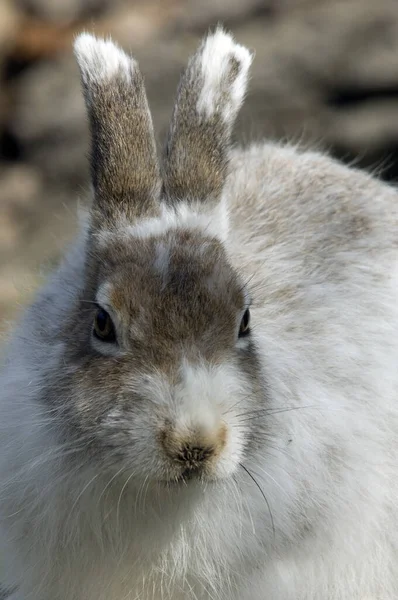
(245, 324)
(103, 326)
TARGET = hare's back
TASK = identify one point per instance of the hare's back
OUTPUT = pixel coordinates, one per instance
(310, 211)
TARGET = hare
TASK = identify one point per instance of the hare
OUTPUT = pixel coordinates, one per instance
(202, 402)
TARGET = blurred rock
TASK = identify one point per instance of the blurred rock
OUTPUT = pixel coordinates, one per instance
(61, 11)
(373, 125)
(9, 22)
(20, 187)
(320, 61)
(37, 40)
(209, 12)
(17, 286)
(49, 120)
(141, 23)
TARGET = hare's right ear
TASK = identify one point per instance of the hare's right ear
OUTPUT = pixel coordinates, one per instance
(210, 94)
(124, 165)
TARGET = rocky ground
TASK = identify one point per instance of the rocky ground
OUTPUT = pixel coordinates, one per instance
(325, 72)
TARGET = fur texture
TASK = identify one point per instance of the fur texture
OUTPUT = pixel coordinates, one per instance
(101, 61)
(184, 459)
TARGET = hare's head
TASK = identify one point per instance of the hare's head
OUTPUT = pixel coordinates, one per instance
(160, 359)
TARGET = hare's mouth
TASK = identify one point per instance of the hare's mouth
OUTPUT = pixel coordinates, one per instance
(192, 475)
(187, 477)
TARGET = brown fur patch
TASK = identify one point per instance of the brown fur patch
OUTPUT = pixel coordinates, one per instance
(124, 163)
(192, 449)
(193, 304)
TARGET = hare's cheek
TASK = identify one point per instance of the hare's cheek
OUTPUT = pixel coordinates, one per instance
(129, 430)
(234, 450)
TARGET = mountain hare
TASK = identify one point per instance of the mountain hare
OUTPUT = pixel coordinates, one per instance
(202, 403)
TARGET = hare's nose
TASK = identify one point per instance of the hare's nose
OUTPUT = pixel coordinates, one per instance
(194, 449)
(194, 453)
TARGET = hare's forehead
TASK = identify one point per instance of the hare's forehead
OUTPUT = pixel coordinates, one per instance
(166, 269)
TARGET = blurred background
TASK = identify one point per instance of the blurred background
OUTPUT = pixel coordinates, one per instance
(325, 72)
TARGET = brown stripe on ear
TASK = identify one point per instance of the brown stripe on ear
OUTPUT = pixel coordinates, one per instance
(210, 94)
(124, 165)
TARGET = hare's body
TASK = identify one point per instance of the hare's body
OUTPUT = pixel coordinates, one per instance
(299, 502)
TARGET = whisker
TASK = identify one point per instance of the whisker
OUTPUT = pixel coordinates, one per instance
(272, 479)
(109, 482)
(80, 495)
(230, 408)
(262, 493)
(246, 283)
(120, 498)
(141, 494)
(275, 411)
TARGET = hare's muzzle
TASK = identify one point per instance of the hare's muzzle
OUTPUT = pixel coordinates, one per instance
(192, 451)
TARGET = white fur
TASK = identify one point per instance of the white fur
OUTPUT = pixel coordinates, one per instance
(203, 400)
(162, 260)
(215, 65)
(100, 61)
(187, 215)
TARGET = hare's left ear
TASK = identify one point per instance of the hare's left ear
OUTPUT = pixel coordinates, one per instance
(124, 165)
(210, 94)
